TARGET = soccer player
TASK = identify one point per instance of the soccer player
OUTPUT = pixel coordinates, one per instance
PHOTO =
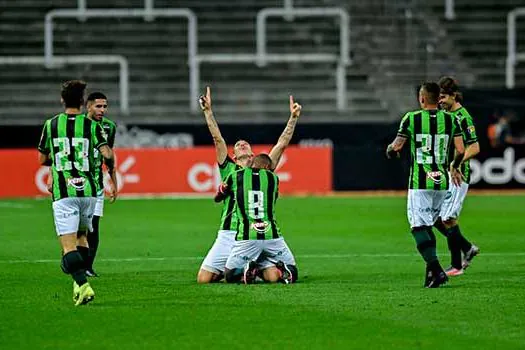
(212, 268)
(259, 248)
(450, 100)
(97, 106)
(67, 144)
(430, 133)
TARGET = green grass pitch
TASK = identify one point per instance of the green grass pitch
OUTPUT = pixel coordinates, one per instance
(360, 281)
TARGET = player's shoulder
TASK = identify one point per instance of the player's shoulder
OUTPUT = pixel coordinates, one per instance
(108, 122)
(55, 117)
(463, 113)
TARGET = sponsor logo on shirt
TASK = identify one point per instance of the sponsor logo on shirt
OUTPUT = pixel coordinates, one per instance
(436, 176)
(78, 183)
(261, 227)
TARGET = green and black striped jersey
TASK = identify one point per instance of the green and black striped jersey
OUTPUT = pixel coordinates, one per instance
(109, 129)
(431, 133)
(229, 213)
(255, 192)
(70, 140)
(469, 137)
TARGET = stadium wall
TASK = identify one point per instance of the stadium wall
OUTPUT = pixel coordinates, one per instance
(324, 157)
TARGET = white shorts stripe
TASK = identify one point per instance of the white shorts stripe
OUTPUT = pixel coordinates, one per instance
(453, 203)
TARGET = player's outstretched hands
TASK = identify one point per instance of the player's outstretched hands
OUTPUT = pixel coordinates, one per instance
(205, 100)
(295, 108)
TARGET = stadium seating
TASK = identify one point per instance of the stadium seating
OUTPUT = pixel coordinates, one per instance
(394, 46)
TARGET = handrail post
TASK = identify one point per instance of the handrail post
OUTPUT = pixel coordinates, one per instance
(288, 10)
(148, 8)
(450, 11)
(81, 6)
(344, 38)
(511, 50)
(124, 86)
(341, 87)
(48, 39)
(193, 62)
(261, 37)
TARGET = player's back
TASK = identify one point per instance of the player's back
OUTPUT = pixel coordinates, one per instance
(70, 141)
(256, 192)
(431, 133)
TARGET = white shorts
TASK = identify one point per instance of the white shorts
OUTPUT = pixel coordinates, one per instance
(99, 207)
(73, 214)
(423, 207)
(453, 201)
(215, 261)
(266, 252)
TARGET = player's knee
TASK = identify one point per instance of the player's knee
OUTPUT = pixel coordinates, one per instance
(204, 277)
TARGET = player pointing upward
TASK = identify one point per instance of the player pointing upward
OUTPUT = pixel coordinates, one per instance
(212, 268)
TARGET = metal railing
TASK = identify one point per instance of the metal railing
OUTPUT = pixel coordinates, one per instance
(92, 59)
(344, 27)
(512, 56)
(450, 12)
(289, 13)
(148, 10)
(129, 13)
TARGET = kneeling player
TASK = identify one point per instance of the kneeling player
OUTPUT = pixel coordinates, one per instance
(259, 248)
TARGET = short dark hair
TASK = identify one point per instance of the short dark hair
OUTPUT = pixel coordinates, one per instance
(72, 93)
(262, 161)
(448, 85)
(431, 91)
(97, 95)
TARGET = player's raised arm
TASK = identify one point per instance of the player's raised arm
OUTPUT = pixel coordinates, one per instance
(284, 140)
(220, 145)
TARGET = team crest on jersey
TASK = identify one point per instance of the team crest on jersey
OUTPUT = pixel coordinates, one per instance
(261, 227)
(436, 176)
(78, 183)
(471, 129)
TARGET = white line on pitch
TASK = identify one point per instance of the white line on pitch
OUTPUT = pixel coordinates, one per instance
(192, 258)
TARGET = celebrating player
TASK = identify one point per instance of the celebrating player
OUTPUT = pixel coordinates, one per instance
(212, 268)
(67, 144)
(259, 247)
(450, 100)
(430, 133)
(97, 106)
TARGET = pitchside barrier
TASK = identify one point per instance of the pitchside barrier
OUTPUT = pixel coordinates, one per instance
(172, 171)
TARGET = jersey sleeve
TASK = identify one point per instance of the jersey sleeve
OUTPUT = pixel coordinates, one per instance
(458, 130)
(227, 167)
(44, 146)
(469, 131)
(111, 134)
(404, 127)
(98, 136)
